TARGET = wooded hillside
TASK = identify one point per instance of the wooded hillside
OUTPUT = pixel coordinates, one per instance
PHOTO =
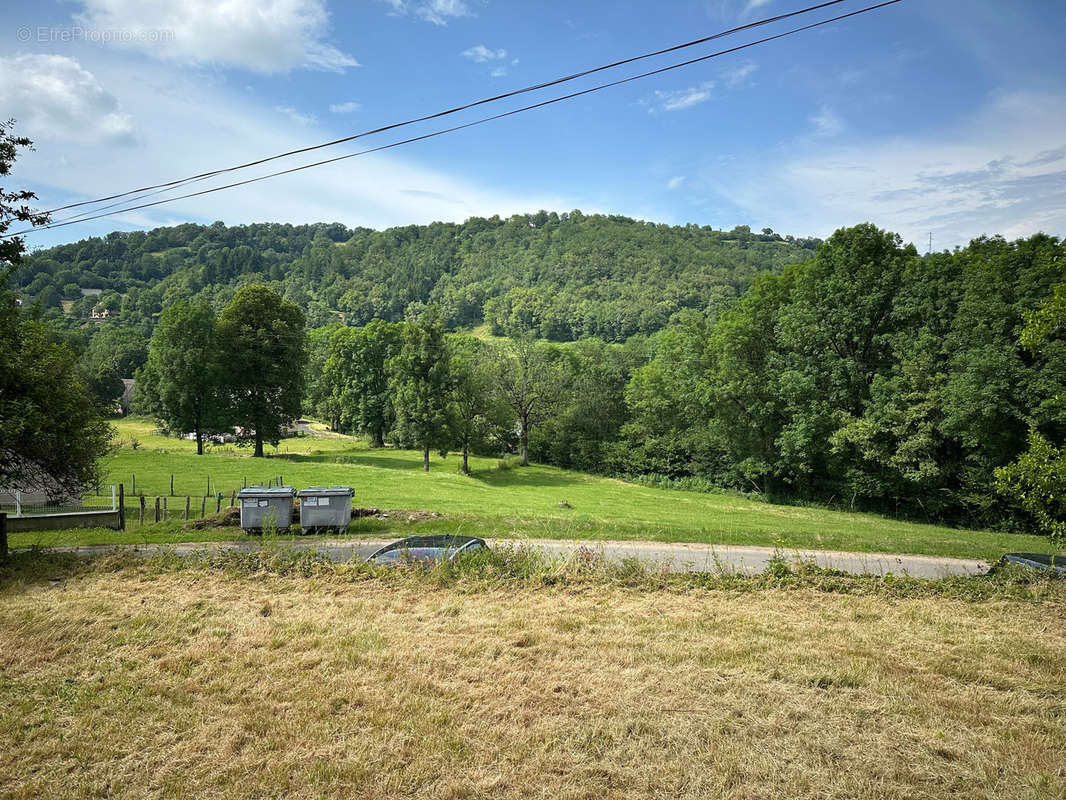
(558, 276)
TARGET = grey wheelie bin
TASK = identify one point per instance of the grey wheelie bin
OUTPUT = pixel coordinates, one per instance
(266, 508)
(325, 508)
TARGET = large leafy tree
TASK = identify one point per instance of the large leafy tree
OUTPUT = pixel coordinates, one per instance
(478, 414)
(422, 384)
(529, 376)
(1036, 481)
(357, 369)
(51, 431)
(265, 349)
(182, 383)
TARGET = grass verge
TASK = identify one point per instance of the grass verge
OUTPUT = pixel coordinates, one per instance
(281, 674)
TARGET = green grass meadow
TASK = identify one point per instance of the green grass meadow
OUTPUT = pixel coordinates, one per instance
(507, 501)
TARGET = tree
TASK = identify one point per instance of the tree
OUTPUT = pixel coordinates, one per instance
(358, 373)
(422, 383)
(13, 205)
(1036, 481)
(51, 430)
(529, 377)
(182, 383)
(321, 398)
(264, 348)
(478, 414)
(121, 347)
(104, 384)
(591, 411)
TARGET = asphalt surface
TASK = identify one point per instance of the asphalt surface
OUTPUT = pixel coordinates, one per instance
(676, 557)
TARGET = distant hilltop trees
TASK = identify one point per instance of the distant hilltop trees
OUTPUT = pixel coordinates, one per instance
(556, 276)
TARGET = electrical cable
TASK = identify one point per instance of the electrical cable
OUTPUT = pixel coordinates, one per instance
(91, 215)
(456, 109)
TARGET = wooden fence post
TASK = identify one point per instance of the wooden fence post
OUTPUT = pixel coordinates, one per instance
(233, 498)
(121, 507)
(3, 535)
(141, 520)
(133, 485)
(157, 508)
(172, 485)
(203, 506)
(218, 502)
(186, 506)
(164, 509)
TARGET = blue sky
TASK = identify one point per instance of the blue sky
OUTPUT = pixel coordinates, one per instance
(946, 117)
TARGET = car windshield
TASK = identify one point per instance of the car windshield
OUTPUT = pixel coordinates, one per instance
(423, 555)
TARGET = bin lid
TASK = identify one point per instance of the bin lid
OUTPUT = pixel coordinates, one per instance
(266, 491)
(326, 491)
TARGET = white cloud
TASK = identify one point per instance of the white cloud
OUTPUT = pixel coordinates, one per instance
(677, 99)
(499, 72)
(436, 11)
(480, 54)
(267, 36)
(440, 11)
(751, 5)
(1002, 170)
(53, 97)
(738, 75)
(296, 116)
(826, 123)
(675, 182)
(345, 108)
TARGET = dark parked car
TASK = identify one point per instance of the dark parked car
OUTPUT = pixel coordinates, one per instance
(1056, 565)
(426, 550)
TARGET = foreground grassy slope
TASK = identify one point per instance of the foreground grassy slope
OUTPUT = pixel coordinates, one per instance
(517, 502)
(150, 679)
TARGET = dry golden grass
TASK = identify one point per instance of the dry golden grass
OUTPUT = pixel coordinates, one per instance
(197, 683)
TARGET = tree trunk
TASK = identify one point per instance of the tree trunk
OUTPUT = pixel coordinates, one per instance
(466, 460)
(199, 442)
(523, 440)
(425, 458)
(379, 438)
(258, 443)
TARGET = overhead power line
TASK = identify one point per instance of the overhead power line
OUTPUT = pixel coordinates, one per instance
(91, 214)
(456, 109)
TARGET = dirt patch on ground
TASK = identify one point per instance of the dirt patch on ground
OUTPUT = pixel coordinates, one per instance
(226, 518)
(406, 514)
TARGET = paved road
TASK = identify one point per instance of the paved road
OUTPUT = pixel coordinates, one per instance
(678, 557)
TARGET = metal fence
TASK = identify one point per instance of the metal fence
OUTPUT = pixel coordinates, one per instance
(16, 503)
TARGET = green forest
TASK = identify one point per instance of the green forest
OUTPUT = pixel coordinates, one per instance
(853, 372)
(558, 276)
